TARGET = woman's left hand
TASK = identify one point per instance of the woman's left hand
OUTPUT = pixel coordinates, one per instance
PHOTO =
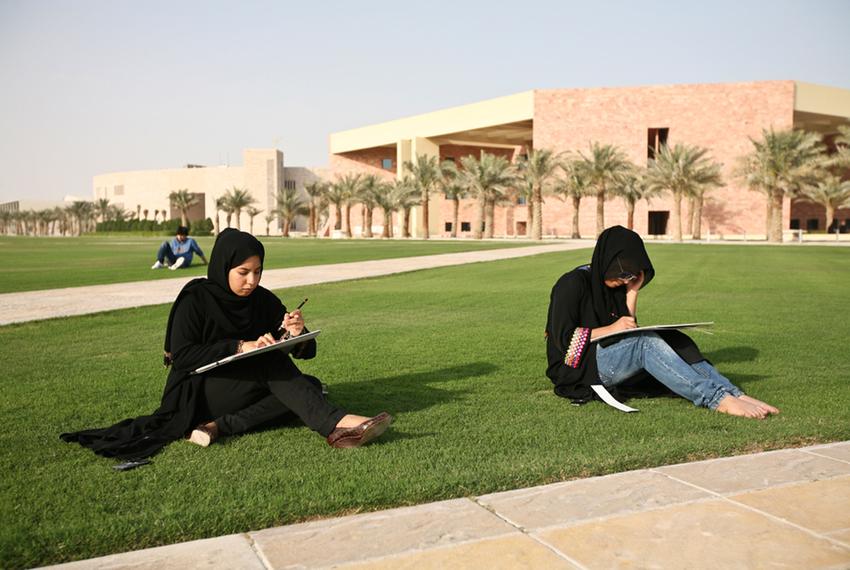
(293, 322)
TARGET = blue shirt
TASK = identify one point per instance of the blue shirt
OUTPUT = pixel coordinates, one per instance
(185, 249)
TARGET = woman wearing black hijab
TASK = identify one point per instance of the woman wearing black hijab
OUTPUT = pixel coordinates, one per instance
(601, 298)
(212, 318)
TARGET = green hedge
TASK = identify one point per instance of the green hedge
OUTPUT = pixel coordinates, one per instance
(168, 227)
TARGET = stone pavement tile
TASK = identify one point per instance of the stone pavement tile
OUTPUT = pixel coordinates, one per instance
(757, 471)
(821, 506)
(232, 551)
(835, 450)
(373, 535)
(585, 499)
(504, 553)
(841, 536)
(710, 535)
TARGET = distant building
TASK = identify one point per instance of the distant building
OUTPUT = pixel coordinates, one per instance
(262, 174)
(720, 117)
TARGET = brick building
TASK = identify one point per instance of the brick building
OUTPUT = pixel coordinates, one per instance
(720, 117)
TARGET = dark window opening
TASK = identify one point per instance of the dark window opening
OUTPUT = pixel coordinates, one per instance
(387, 164)
(658, 223)
(812, 224)
(521, 228)
(465, 226)
(795, 223)
(521, 201)
(656, 138)
(448, 226)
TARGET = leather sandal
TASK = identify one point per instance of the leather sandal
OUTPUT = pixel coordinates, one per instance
(360, 434)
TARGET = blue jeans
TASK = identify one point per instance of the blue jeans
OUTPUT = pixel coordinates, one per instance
(700, 383)
(165, 252)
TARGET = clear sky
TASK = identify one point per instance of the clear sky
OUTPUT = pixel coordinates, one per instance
(88, 87)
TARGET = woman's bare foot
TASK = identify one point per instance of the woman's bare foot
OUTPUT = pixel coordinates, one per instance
(738, 407)
(350, 421)
(763, 405)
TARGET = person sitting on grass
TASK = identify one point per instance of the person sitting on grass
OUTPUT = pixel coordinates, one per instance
(178, 252)
(601, 298)
(227, 313)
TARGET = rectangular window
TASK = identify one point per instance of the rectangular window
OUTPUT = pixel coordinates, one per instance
(655, 139)
(521, 228)
(795, 223)
(387, 164)
(289, 184)
(465, 226)
(812, 224)
(521, 201)
(118, 190)
(448, 226)
(658, 223)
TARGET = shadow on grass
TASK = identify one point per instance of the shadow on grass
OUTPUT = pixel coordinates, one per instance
(732, 354)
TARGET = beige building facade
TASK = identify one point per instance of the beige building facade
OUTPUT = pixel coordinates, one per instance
(262, 173)
(720, 117)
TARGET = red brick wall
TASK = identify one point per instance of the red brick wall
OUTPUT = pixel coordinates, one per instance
(720, 117)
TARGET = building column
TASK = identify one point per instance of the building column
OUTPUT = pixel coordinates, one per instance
(424, 147)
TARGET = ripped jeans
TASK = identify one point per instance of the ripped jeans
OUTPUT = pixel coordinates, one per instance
(700, 383)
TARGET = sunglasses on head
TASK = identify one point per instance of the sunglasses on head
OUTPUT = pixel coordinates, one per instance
(624, 275)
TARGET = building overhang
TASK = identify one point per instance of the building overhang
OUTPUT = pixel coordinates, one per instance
(503, 121)
(819, 108)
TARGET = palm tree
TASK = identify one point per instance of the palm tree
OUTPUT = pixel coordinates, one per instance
(101, 208)
(575, 186)
(682, 170)
(289, 206)
(369, 190)
(841, 158)
(405, 194)
(782, 163)
(237, 200)
(269, 218)
(603, 166)
(385, 200)
(81, 211)
(349, 187)
(138, 211)
(425, 171)
(335, 195)
(487, 179)
(831, 193)
(315, 190)
(252, 213)
(183, 200)
(538, 170)
(220, 206)
(145, 213)
(452, 188)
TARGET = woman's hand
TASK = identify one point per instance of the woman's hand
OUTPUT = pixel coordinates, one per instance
(265, 340)
(293, 323)
(636, 283)
(621, 324)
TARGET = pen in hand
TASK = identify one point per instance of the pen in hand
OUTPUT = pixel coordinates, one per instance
(286, 333)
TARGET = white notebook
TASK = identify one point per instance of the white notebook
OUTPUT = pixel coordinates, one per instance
(279, 345)
(654, 328)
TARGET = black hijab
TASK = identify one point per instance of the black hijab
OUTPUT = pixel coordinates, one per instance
(616, 249)
(232, 313)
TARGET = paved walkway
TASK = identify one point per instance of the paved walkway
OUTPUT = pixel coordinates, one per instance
(35, 305)
(780, 509)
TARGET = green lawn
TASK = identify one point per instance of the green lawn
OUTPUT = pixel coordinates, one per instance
(31, 264)
(457, 355)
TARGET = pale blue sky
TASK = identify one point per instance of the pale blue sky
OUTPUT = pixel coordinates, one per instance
(88, 87)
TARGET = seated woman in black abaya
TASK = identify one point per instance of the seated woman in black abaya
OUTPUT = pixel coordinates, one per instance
(601, 298)
(212, 318)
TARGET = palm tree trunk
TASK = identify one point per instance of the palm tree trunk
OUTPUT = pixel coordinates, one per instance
(405, 228)
(217, 227)
(184, 217)
(346, 226)
(425, 218)
(338, 221)
(238, 214)
(529, 217)
(600, 211)
(576, 204)
(768, 216)
(830, 216)
(286, 223)
(630, 215)
(689, 222)
(228, 218)
(537, 201)
(388, 222)
(697, 216)
(311, 231)
(367, 229)
(776, 221)
(491, 219)
(677, 216)
(455, 215)
(478, 232)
